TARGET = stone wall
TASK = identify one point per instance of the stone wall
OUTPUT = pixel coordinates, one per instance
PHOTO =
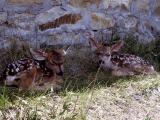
(66, 21)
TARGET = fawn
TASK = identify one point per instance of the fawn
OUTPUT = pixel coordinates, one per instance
(120, 64)
(38, 73)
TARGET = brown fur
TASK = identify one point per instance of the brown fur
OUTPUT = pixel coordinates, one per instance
(26, 79)
(39, 76)
(120, 64)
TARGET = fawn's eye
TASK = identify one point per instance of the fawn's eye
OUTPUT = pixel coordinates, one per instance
(53, 62)
(98, 54)
(101, 62)
(17, 79)
(107, 55)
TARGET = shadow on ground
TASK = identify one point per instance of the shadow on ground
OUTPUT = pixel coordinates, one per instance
(81, 72)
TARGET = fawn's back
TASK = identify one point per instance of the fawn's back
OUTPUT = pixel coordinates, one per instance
(120, 64)
(38, 73)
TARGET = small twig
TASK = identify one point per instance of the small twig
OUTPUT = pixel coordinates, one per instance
(95, 77)
(94, 82)
(75, 104)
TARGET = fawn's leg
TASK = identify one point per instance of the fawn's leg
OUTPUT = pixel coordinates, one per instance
(122, 72)
(26, 79)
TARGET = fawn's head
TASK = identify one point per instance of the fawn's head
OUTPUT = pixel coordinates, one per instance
(54, 59)
(104, 51)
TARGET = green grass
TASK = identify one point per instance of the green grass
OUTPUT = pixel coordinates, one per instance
(149, 51)
(87, 94)
(73, 101)
(74, 105)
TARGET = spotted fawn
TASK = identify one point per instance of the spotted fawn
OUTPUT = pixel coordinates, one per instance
(41, 72)
(118, 63)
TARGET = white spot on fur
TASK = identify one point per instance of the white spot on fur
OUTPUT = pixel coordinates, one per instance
(12, 70)
(10, 80)
(64, 52)
(17, 69)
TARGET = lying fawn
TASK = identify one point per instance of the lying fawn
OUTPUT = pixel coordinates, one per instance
(120, 64)
(38, 73)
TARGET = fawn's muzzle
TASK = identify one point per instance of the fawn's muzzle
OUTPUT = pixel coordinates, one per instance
(60, 73)
(101, 62)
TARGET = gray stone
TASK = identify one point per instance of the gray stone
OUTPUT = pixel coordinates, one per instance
(84, 3)
(24, 1)
(66, 21)
(157, 8)
(23, 21)
(130, 22)
(124, 4)
(2, 4)
(142, 5)
(100, 21)
(56, 17)
(3, 17)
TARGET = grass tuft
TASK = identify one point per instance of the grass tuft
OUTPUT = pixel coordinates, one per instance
(88, 93)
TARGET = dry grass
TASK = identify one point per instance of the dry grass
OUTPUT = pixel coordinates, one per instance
(132, 98)
(87, 94)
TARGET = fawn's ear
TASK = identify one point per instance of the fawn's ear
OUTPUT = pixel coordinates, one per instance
(64, 51)
(94, 45)
(117, 47)
(38, 54)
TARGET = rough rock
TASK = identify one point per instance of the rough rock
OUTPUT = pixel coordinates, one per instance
(56, 17)
(25, 1)
(23, 21)
(73, 38)
(3, 17)
(84, 3)
(45, 20)
(142, 5)
(157, 11)
(125, 4)
(56, 2)
(157, 8)
(130, 22)
(152, 26)
(100, 21)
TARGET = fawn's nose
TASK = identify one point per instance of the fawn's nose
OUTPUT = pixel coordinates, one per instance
(100, 62)
(60, 70)
(60, 73)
